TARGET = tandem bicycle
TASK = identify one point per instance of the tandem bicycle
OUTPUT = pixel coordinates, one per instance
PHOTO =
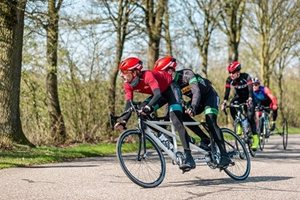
(141, 153)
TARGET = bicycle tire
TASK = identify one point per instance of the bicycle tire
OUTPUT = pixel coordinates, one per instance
(248, 142)
(238, 153)
(285, 134)
(251, 151)
(262, 138)
(148, 170)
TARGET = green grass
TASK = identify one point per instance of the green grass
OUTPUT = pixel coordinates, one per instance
(22, 156)
(294, 130)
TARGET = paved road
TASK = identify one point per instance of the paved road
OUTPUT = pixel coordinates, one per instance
(275, 174)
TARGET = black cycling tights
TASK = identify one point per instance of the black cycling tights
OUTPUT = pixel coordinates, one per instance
(176, 118)
(196, 129)
(211, 120)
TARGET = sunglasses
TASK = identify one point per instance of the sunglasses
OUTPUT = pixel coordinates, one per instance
(124, 72)
(256, 84)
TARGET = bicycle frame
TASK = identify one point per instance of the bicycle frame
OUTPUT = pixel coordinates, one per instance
(157, 125)
(265, 115)
(145, 125)
(265, 118)
(240, 116)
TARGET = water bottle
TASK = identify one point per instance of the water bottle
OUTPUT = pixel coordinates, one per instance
(165, 141)
(245, 125)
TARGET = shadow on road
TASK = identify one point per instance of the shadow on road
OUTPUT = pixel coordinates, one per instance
(273, 153)
(228, 184)
(226, 181)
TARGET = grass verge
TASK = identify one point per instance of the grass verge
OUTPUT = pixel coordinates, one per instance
(24, 156)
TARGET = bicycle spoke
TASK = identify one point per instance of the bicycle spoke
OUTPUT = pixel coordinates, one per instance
(147, 171)
(239, 155)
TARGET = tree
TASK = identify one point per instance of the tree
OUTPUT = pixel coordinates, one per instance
(232, 17)
(167, 30)
(11, 41)
(120, 20)
(202, 29)
(288, 55)
(275, 24)
(154, 15)
(57, 125)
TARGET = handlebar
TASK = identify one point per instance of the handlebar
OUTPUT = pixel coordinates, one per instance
(235, 105)
(113, 119)
(261, 108)
(134, 107)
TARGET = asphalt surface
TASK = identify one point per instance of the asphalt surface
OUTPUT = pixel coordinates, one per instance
(275, 174)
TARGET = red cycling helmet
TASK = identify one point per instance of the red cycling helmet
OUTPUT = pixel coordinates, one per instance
(131, 63)
(234, 67)
(164, 63)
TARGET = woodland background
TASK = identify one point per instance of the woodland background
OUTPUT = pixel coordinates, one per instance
(59, 58)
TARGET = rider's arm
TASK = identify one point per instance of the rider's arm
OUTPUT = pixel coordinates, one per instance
(153, 84)
(155, 98)
(195, 89)
(268, 92)
(128, 97)
(227, 89)
(250, 87)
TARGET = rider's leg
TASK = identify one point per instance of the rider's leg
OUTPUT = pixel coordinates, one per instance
(211, 120)
(176, 118)
(197, 130)
(250, 115)
(175, 110)
(274, 117)
(233, 111)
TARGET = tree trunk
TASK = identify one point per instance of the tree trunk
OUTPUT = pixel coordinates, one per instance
(281, 96)
(122, 22)
(154, 21)
(57, 125)
(233, 20)
(167, 31)
(233, 51)
(204, 55)
(11, 34)
(113, 82)
(153, 52)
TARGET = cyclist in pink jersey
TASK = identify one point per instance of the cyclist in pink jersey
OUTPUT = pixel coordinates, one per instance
(263, 96)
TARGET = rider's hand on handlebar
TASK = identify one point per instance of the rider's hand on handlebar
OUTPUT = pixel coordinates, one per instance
(249, 102)
(120, 126)
(223, 105)
(273, 106)
(146, 110)
(190, 112)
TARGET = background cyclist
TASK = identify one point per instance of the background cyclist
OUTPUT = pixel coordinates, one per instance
(243, 91)
(263, 96)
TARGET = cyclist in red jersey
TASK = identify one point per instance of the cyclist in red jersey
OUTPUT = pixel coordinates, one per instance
(159, 85)
(263, 96)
